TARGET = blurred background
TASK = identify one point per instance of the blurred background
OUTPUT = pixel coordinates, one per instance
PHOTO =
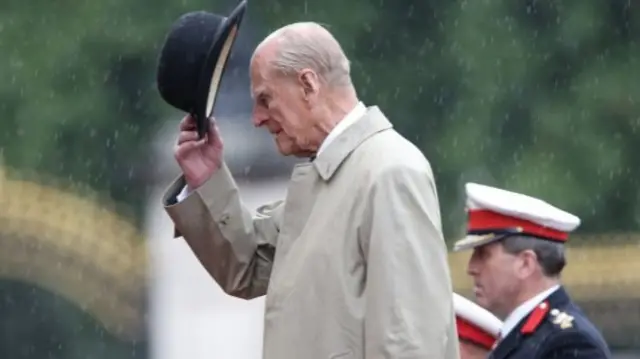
(536, 96)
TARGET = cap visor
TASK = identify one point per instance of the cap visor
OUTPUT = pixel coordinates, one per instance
(476, 240)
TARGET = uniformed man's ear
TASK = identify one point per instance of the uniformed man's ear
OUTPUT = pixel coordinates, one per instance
(528, 263)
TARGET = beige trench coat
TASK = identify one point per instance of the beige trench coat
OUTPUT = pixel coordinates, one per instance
(353, 262)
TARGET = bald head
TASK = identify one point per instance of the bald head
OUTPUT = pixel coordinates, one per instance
(306, 45)
(301, 86)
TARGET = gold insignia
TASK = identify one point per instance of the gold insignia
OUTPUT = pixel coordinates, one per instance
(562, 319)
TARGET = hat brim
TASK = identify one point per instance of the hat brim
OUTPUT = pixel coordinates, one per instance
(214, 67)
(476, 240)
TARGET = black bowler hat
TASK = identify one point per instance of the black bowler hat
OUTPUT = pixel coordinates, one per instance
(193, 59)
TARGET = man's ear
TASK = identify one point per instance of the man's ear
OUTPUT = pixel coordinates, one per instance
(309, 81)
(528, 264)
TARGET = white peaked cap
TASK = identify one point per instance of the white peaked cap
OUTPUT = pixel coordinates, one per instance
(492, 211)
(475, 323)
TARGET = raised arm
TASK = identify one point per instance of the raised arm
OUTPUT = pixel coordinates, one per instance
(234, 246)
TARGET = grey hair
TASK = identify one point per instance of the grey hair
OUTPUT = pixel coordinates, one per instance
(550, 255)
(309, 45)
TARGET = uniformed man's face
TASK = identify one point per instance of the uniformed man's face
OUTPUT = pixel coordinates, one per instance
(495, 280)
(470, 350)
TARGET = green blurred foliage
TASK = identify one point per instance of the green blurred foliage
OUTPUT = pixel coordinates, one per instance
(39, 324)
(78, 103)
(78, 97)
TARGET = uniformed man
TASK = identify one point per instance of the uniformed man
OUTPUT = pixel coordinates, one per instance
(518, 256)
(477, 328)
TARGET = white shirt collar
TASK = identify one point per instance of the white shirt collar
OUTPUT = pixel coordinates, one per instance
(354, 115)
(523, 310)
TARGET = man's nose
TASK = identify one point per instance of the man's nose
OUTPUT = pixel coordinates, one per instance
(472, 267)
(259, 119)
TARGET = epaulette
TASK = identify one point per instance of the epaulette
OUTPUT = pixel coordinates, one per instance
(535, 318)
(562, 319)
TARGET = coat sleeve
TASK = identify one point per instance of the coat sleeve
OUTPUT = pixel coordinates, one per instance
(235, 246)
(571, 344)
(409, 304)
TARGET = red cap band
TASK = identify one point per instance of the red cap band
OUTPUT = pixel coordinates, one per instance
(488, 220)
(473, 333)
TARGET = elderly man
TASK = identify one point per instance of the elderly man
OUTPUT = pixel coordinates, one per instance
(477, 328)
(352, 262)
(518, 256)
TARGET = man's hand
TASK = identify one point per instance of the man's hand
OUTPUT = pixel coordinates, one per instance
(199, 159)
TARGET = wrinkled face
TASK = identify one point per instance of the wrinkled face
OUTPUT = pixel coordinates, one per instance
(283, 106)
(470, 350)
(496, 277)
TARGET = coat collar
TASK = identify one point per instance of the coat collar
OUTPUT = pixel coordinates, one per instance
(330, 159)
(354, 115)
(559, 299)
(512, 341)
(524, 309)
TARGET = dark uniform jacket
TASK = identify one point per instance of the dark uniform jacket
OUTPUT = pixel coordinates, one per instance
(556, 328)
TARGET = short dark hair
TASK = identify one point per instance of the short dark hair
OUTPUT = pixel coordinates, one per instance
(550, 255)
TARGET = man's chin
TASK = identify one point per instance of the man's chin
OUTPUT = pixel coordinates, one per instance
(480, 299)
(286, 150)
